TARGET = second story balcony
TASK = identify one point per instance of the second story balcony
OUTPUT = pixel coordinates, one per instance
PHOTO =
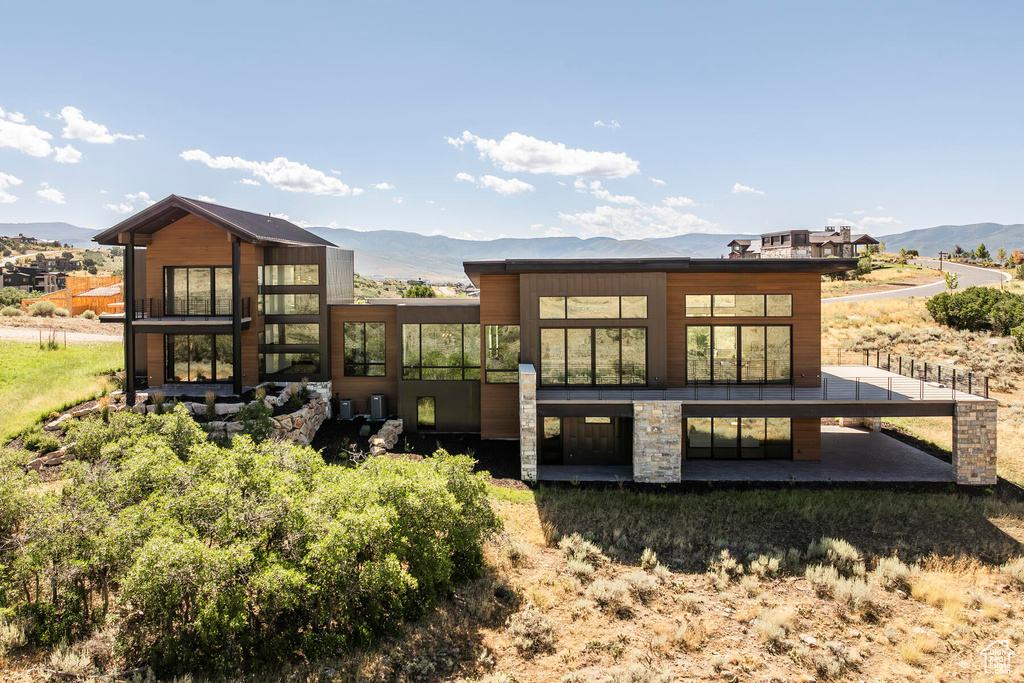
(184, 311)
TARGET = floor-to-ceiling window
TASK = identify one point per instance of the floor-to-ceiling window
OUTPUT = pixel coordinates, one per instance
(739, 437)
(446, 351)
(204, 290)
(746, 353)
(575, 356)
(198, 358)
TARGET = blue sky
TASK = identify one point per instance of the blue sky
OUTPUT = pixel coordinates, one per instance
(479, 119)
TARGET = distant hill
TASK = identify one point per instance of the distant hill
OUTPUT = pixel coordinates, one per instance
(384, 254)
(65, 232)
(929, 241)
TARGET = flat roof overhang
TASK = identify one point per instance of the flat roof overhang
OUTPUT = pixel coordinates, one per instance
(810, 409)
(219, 325)
(820, 266)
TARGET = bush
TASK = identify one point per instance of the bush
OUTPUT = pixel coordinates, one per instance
(823, 579)
(42, 309)
(10, 311)
(892, 575)
(612, 595)
(577, 548)
(88, 315)
(642, 585)
(61, 312)
(838, 553)
(1018, 338)
(531, 632)
(978, 308)
(1014, 571)
(256, 421)
(11, 296)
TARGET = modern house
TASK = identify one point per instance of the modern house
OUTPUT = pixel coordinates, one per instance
(32, 278)
(839, 242)
(642, 366)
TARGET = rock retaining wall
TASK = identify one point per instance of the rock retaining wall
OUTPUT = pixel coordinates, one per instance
(386, 438)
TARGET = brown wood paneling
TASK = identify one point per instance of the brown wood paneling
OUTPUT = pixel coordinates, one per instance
(806, 319)
(652, 285)
(807, 438)
(499, 403)
(359, 389)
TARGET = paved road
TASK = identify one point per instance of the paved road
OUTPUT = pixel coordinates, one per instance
(31, 334)
(969, 275)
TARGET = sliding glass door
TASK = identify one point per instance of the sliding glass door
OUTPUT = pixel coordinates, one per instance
(731, 438)
(197, 291)
(730, 354)
(198, 358)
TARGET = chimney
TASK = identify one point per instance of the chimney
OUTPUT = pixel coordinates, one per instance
(844, 233)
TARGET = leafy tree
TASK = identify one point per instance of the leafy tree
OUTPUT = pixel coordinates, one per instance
(40, 257)
(419, 292)
(1020, 272)
(7, 252)
(863, 266)
(958, 251)
(67, 254)
(1001, 255)
(982, 253)
(952, 280)
(11, 296)
(1017, 257)
(881, 246)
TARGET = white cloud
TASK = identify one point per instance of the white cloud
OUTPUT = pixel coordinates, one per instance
(595, 188)
(50, 194)
(637, 222)
(397, 200)
(745, 189)
(121, 208)
(67, 155)
(554, 232)
(17, 117)
(858, 213)
(383, 186)
(7, 181)
(678, 201)
(79, 128)
(505, 186)
(560, 183)
(430, 201)
(464, 177)
(536, 226)
(141, 197)
(611, 124)
(204, 198)
(286, 175)
(518, 152)
(879, 208)
(866, 223)
(656, 181)
(436, 233)
(250, 181)
(17, 134)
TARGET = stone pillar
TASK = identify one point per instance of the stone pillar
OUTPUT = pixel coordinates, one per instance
(657, 441)
(527, 423)
(974, 442)
(873, 423)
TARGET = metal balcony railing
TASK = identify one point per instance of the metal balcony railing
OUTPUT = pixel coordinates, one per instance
(187, 307)
(959, 380)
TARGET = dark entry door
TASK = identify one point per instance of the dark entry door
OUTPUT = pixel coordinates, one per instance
(597, 441)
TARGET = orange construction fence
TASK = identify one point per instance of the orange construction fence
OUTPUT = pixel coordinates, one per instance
(81, 295)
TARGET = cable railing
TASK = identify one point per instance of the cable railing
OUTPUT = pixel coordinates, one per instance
(187, 307)
(943, 375)
(836, 389)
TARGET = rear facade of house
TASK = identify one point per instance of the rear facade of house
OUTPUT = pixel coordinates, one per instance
(587, 363)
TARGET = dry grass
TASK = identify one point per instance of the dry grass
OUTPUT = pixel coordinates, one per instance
(889, 276)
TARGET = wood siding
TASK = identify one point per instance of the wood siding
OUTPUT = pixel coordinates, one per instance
(192, 241)
(807, 438)
(806, 319)
(532, 286)
(499, 403)
(359, 389)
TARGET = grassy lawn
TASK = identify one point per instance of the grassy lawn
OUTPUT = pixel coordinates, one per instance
(34, 381)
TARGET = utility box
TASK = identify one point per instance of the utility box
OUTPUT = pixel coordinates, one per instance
(345, 409)
(378, 407)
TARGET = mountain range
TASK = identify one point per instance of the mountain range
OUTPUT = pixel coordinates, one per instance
(383, 254)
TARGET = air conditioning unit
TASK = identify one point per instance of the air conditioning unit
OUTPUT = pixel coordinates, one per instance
(345, 409)
(378, 407)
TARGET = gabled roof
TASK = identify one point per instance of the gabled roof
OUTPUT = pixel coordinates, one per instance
(247, 226)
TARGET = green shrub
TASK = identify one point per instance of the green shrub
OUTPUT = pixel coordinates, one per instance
(39, 441)
(256, 420)
(10, 311)
(1018, 337)
(61, 312)
(842, 555)
(42, 309)
(978, 308)
(88, 315)
(11, 296)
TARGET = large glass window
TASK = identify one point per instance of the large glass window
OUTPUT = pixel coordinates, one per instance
(303, 274)
(292, 333)
(501, 354)
(291, 304)
(365, 354)
(589, 356)
(445, 351)
(731, 437)
(739, 305)
(748, 353)
(198, 358)
(592, 307)
(295, 364)
(202, 290)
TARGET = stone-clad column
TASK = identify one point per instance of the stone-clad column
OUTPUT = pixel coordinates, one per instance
(528, 422)
(657, 441)
(974, 442)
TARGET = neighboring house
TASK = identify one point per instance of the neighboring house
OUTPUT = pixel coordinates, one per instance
(840, 242)
(637, 365)
(32, 278)
(97, 293)
(63, 265)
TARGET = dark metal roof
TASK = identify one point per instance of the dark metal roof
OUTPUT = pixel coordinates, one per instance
(247, 226)
(666, 265)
